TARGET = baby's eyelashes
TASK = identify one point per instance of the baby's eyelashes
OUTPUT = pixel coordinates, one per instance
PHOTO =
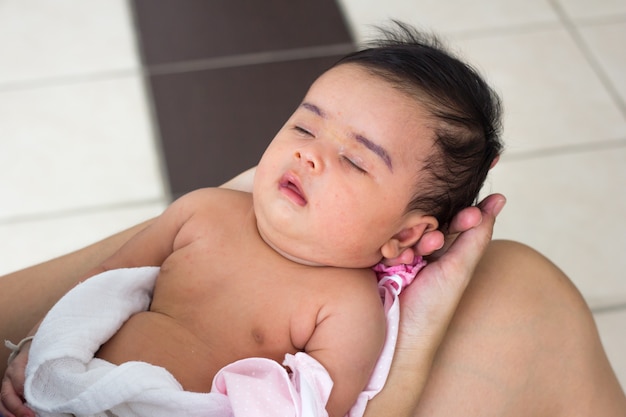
(352, 163)
(302, 131)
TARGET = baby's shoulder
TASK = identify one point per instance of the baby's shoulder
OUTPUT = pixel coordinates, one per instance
(213, 200)
(362, 278)
(357, 288)
(210, 213)
(215, 194)
(355, 303)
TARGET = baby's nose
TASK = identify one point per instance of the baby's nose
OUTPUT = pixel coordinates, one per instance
(309, 157)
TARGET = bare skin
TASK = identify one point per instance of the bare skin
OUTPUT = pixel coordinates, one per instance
(522, 342)
(533, 322)
(282, 306)
(437, 366)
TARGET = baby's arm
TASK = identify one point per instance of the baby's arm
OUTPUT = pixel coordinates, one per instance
(347, 341)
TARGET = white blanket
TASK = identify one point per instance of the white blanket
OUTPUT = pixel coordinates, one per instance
(63, 377)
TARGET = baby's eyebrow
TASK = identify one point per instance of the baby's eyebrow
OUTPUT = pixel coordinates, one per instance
(313, 108)
(377, 149)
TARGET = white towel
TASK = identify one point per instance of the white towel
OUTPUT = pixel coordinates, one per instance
(62, 375)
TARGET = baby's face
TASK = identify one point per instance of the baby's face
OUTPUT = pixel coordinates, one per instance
(334, 184)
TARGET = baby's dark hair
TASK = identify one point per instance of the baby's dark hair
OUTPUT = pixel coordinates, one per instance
(466, 115)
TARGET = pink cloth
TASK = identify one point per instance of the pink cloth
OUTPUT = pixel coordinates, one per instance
(399, 276)
(62, 375)
(262, 387)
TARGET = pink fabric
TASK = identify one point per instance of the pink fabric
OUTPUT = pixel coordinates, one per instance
(400, 276)
(262, 387)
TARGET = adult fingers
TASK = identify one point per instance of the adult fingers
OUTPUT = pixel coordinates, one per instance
(469, 244)
(455, 266)
(468, 219)
(434, 244)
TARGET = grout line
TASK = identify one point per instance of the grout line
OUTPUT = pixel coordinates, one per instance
(600, 20)
(519, 29)
(251, 59)
(63, 80)
(611, 308)
(185, 66)
(565, 150)
(85, 210)
(572, 29)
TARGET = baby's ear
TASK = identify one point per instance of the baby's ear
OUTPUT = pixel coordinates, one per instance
(495, 161)
(406, 257)
(413, 228)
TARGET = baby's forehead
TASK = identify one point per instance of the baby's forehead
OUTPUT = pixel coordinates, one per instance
(353, 90)
(360, 76)
(354, 80)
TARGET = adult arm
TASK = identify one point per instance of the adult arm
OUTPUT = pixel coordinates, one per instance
(28, 294)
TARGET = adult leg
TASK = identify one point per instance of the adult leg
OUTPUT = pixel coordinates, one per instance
(522, 343)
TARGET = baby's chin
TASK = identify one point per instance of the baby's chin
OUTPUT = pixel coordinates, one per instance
(299, 259)
(306, 256)
(288, 253)
(310, 261)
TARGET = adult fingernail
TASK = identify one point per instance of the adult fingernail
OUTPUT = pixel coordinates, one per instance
(500, 203)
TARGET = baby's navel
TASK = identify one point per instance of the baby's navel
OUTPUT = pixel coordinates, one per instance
(257, 336)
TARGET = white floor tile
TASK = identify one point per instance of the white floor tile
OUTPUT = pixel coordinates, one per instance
(453, 16)
(552, 97)
(606, 43)
(43, 39)
(612, 328)
(77, 145)
(571, 208)
(585, 9)
(27, 243)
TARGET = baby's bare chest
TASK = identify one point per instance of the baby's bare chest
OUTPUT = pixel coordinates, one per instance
(247, 307)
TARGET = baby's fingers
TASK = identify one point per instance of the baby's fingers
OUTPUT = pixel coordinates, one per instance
(11, 401)
(12, 389)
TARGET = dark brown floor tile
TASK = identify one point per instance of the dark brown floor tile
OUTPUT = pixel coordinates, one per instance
(216, 123)
(182, 30)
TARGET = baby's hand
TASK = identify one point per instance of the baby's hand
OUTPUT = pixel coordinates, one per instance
(12, 390)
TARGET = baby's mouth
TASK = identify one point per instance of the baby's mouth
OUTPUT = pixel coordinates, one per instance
(290, 186)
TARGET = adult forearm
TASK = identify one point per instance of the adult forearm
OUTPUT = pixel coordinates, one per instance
(403, 389)
(242, 182)
(27, 295)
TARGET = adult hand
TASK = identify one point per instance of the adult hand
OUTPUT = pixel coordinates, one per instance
(12, 390)
(434, 244)
(429, 303)
(431, 300)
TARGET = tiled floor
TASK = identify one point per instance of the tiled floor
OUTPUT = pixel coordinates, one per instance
(80, 155)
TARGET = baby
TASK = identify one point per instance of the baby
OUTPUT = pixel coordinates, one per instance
(386, 145)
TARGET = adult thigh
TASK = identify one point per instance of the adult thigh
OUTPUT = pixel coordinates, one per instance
(522, 343)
